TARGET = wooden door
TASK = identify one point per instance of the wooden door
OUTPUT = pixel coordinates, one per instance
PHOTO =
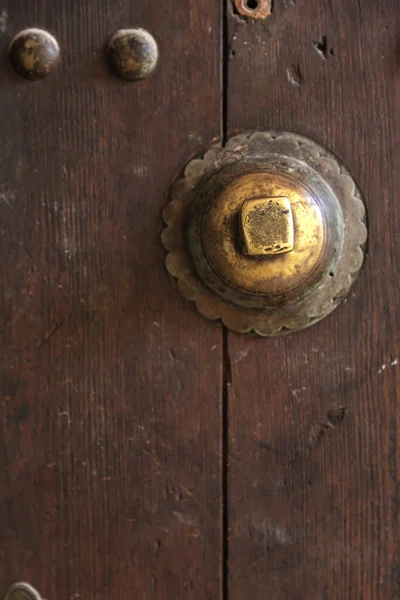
(146, 452)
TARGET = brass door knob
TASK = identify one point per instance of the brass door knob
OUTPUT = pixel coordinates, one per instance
(266, 234)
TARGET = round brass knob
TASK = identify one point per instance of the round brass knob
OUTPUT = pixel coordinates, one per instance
(266, 233)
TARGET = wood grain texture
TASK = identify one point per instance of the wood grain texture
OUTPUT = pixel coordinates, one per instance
(314, 417)
(111, 384)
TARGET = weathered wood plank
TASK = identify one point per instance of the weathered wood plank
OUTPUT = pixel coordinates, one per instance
(110, 429)
(314, 417)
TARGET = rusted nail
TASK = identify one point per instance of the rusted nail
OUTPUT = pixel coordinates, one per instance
(34, 53)
(256, 9)
(132, 53)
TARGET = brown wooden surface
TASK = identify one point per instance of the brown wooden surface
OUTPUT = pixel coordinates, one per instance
(111, 384)
(112, 417)
(314, 417)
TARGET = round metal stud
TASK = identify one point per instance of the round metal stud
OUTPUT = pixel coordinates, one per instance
(266, 234)
(34, 53)
(132, 53)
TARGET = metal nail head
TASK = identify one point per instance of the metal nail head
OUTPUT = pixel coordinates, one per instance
(34, 53)
(132, 54)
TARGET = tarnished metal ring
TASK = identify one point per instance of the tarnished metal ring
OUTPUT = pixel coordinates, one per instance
(22, 591)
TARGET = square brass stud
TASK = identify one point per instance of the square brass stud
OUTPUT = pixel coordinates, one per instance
(267, 226)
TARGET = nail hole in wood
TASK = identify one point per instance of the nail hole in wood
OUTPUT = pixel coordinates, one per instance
(321, 46)
(255, 9)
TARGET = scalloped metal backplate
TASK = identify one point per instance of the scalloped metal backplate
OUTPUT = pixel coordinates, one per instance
(322, 300)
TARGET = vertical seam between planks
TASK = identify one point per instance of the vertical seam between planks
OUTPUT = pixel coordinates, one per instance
(224, 71)
(225, 350)
(226, 374)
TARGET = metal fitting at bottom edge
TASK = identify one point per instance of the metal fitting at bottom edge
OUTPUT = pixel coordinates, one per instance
(22, 591)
